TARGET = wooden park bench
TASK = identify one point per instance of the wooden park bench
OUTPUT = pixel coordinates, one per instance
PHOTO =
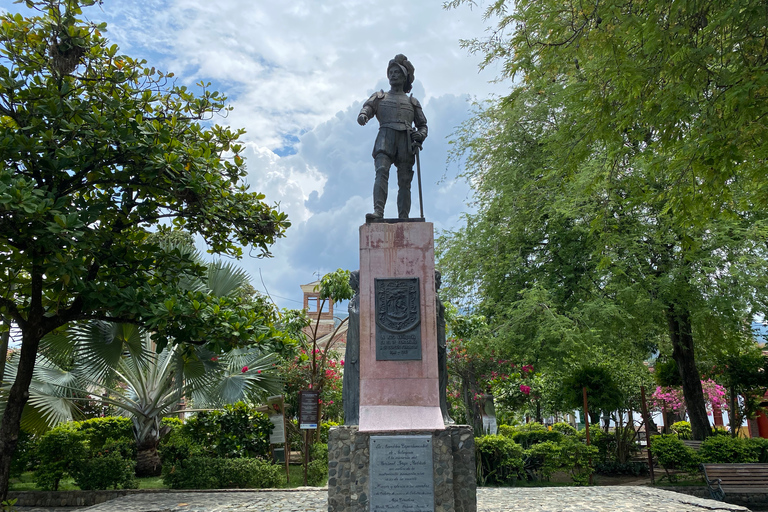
(690, 443)
(735, 478)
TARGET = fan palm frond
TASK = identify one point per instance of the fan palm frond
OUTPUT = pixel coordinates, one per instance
(100, 346)
(224, 279)
(245, 374)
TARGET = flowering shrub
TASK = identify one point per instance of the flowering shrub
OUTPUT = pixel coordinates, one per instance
(297, 374)
(672, 398)
(512, 384)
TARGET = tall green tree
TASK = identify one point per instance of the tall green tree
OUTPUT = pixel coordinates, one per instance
(650, 119)
(96, 150)
(560, 260)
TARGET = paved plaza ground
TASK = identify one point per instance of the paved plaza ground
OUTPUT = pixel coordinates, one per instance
(539, 499)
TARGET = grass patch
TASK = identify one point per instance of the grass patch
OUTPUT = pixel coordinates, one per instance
(296, 471)
(26, 482)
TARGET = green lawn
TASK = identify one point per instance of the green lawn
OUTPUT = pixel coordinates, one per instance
(27, 483)
(297, 476)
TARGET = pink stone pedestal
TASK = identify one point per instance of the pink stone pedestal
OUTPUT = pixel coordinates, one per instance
(398, 395)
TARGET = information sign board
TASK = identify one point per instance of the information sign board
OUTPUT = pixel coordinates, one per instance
(308, 409)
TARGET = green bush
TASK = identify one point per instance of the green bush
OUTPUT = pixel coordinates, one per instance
(98, 430)
(172, 422)
(565, 429)
(237, 431)
(603, 441)
(506, 430)
(319, 451)
(325, 427)
(577, 458)
(123, 446)
(215, 473)
(499, 459)
(570, 455)
(542, 459)
(722, 449)
(673, 454)
(317, 471)
(178, 446)
(59, 451)
(109, 470)
(682, 429)
(530, 434)
(760, 447)
(88, 452)
(24, 456)
(251, 474)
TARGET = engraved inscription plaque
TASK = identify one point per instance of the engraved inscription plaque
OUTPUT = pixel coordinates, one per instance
(398, 319)
(401, 474)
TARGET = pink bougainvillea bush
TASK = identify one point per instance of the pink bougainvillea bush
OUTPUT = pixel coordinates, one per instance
(671, 398)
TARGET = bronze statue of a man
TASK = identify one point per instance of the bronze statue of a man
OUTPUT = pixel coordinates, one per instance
(401, 126)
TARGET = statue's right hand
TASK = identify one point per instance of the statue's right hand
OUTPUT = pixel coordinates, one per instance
(362, 119)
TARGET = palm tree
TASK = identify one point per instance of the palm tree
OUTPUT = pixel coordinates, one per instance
(117, 365)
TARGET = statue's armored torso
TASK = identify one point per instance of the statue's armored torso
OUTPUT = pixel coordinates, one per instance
(396, 111)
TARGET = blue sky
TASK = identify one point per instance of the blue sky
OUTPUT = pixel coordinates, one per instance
(297, 74)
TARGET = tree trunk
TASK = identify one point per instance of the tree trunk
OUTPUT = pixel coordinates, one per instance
(469, 392)
(17, 398)
(679, 322)
(4, 338)
(148, 460)
(733, 414)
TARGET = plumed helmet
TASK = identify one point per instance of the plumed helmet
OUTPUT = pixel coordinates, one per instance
(407, 68)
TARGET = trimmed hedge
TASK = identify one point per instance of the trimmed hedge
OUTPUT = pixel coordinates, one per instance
(110, 470)
(237, 431)
(499, 459)
(215, 473)
(59, 451)
(99, 430)
(673, 454)
(88, 452)
(530, 434)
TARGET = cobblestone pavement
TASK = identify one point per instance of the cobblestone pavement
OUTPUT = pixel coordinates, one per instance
(539, 499)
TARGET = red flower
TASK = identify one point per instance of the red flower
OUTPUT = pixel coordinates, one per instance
(258, 371)
(245, 369)
(526, 390)
(214, 359)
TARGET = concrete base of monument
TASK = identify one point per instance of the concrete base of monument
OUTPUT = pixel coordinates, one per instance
(402, 471)
(377, 418)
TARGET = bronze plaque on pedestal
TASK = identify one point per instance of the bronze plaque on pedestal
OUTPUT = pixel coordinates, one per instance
(398, 319)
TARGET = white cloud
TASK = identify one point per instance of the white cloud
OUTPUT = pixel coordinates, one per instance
(296, 74)
(288, 66)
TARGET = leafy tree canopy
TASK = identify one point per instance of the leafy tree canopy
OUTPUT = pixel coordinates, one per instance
(618, 185)
(678, 85)
(96, 151)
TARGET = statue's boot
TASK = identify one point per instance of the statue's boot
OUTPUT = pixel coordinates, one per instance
(404, 194)
(379, 194)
